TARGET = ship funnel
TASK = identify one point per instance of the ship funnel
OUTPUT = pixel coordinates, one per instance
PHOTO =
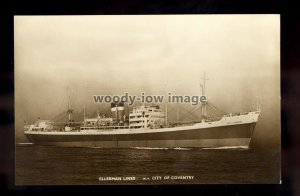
(117, 111)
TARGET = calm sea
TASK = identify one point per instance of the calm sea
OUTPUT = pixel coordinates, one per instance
(44, 165)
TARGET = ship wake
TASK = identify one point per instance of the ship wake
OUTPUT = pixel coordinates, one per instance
(149, 148)
(227, 147)
(24, 144)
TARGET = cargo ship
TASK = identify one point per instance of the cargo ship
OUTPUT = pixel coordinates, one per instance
(147, 126)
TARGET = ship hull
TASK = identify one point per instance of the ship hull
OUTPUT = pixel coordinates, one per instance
(226, 136)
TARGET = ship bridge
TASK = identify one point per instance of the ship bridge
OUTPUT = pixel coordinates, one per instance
(146, 117)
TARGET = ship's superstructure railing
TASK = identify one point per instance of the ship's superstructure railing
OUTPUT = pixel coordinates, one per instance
(40, 125)
(240, 113)
(104, 127)
(146, 117)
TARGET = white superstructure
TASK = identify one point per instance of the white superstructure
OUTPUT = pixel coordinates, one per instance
(147, 117)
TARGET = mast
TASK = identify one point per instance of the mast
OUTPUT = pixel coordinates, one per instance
(69, 111)
(84, 113)
(177, 113)
(166, 116)
(203, 104)
(117, 115)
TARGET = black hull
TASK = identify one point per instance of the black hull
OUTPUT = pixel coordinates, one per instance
(224, 136)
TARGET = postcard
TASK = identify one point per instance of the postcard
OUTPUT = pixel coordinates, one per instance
(147, 99)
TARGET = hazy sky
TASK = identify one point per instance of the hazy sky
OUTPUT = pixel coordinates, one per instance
(154, 54)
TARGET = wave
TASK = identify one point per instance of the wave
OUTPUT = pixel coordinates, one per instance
(226, 147)
(24, 144)
(179, 148)
(150, 148)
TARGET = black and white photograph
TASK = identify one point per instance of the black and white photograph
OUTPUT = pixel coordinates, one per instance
(147, 99)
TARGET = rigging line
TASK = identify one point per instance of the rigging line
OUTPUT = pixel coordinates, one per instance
(75, 103)
(59, 101)
(213, 110)
(183, 116)
(195, 108)
(211, 114)
(217, 108)
(214, 114)
(170, 109)
(59, 115)
(63, 117)
(192, 110)
(78, 113)
(188, 112)
(57, 118)
(174, 106)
